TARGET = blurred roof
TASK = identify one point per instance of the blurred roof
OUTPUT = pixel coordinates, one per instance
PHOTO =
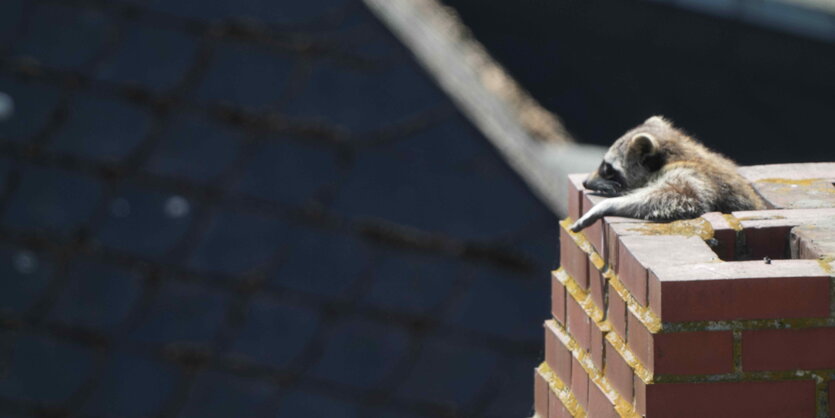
(812, 18)
(258, 208)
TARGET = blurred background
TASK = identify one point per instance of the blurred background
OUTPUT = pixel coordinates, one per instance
(269, 208)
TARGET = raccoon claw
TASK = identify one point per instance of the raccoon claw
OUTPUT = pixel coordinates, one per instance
(578, 226)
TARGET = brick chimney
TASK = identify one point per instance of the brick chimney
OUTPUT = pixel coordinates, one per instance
(726, 315)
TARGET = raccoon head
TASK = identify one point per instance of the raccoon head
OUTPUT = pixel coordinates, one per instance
(630, 161)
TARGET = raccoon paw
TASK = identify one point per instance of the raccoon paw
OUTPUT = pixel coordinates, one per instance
(577, 226)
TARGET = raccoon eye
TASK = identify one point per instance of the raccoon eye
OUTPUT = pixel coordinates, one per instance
(606, 170)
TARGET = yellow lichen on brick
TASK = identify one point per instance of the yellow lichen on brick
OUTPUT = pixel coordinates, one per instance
(604, 325)
(563, 392)
(643, 313)
(580, 295)
(689, 227)
(822, 186)
(583, 242)
(732, 221)
(652, 322)
(761, 218)
(629, 357)
(623, 406)
(827, 265)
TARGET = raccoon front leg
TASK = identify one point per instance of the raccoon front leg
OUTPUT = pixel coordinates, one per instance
(651, 203)
(604, 208)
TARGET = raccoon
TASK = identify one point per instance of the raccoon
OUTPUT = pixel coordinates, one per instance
(659, 173)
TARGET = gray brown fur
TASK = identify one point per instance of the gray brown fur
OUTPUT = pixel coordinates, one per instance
(659, 173)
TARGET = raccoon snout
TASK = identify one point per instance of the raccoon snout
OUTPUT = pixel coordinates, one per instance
(602, 186)
(586, 184)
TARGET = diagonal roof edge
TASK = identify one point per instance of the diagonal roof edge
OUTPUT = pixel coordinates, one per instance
(533, 140)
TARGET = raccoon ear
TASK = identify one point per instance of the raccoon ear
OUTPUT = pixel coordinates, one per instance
(641, 145)
(644, 149)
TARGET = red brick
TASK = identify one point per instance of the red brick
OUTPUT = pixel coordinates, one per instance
(594, 232)
(774, 218)
(558, 295)
(597, 283)
(766, 231)
(743, 290)
(639, 340)
(540, 394)
(767, 242)
(599, 404)
(641, 253)
(812, 241)
(575, 195)
(832, 399)
(640, 389)
(788, 349)
(579, 384)
(557, 355)
(654, 294)
(797, 194)
(762, 399)
(573, 259)
(683, 353)
(616, 314)
(724, 235)
(630, 271)
(597, 347)
(579, 324)
(793, 171)
(556, 409)
(618, 372)
(612, 247)
(617, 227)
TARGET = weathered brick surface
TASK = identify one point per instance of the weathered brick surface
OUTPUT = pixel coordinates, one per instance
(597, 287)
(693, 353)
(772, 242)
(541, 394)
(724, 234)
(579, 324)
(743, 290)
(778, 399)
(800, 171)
(788, 186)
(699, 325)
(557, 356)
(639, 340)
(599, 405)
(788, 349)
(616, 314)
(556, 409)
(597, 347)
(831, 398)
(813, 241)
(681, 353)
(580, 384)
(639, 253)
(558, 300)
(618, 372)
(573, 259)
(575, 195)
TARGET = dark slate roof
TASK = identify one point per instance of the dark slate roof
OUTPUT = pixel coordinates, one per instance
(252, 210)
